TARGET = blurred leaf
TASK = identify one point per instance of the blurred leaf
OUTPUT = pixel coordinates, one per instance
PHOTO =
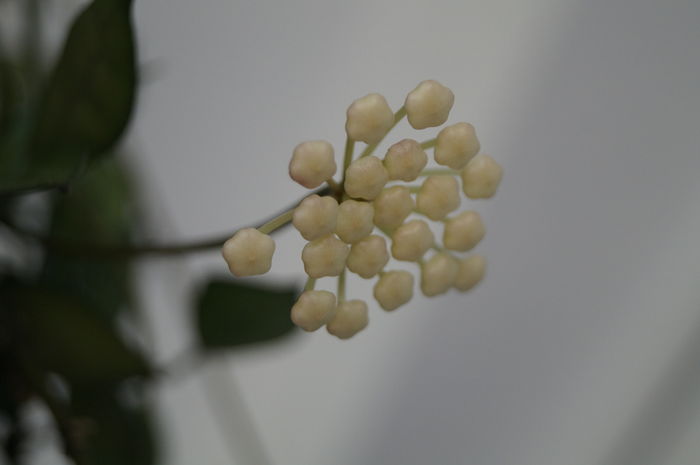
(115, 429)
(100, 208)
(234, 313)
(9, 95)
(63, 336)
(87, 103)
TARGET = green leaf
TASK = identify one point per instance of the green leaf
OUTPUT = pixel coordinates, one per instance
(235, 313)
(86, 105)
(65, 337)
(118, 429)
(100, 209)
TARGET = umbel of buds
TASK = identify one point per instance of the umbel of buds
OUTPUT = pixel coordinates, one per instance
(358, 224)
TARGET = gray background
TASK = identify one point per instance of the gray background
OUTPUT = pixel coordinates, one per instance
(582, 345)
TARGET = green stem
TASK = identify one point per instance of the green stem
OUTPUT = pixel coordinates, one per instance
(428, 144)
(398, 116)
(341, 287)
(310, 284)
(347, 157)
(277, 222)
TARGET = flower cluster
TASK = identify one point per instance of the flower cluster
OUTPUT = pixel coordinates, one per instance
(348, 228)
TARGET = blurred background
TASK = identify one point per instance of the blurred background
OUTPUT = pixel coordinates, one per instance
(582, 345)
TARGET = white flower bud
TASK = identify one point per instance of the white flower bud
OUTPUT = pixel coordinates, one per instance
(463, 232)
(405, 160)
(350, 318)
(365, 178)
(324, 256)
(368, 257)
(394, 289)
(369, 119)
(481, 177)
(354, 220)
(392, 207)
(429, 105)
(456, 145)
(315, 216)
(471, 272)
(438, 196)
(411, 240)
(312, 163)
(249, 252)
(313, 309)
(438, 274)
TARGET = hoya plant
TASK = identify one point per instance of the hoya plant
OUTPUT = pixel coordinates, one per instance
(71, 229)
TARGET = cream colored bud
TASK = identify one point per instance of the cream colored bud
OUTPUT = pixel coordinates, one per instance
(350, 318)
(313, 309)
(438, 274)
(481, 177)
(249, 252)
(312, 163)
(471, 272)
(456, 145)
(392, 207)
(463, 232)
(438, 196)
(324, 256)
(315, 216)
(429, 105)
(369, 119)
(368, 257)
(394, 289)
(411, 240)
(354, 220)
(405, 160)
(365, 178)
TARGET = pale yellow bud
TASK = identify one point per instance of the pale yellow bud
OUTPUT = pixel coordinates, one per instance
(411, 240)
(481, 177)
(471, 272)
(313, 309)
(394, 289)
(350, 318)
(312, 163)
(369, 118)
(324, 256)
(405, 160)
(354, 220)
(456, 145)
(429, 105)
(365, 178)
(315, 216)
(438, 274)
(249, 252)
(438, 196)
(392, 207)
(368, 257)
(463, 232)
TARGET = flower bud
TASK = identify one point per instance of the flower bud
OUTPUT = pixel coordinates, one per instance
(368, 257)
(392, 207)
(411, 240)
(315, 216)
(394, 289)
(324, 256)
(354, 220)
(456, 145)
(428, 105)
(365, 178)
(438, 274)
(471, 272)
(369, 119)
(350, 318)
(312, 163)
(405, 160)
(438, 196)
(313, 309)
(463, 232)
(249, 252)
(481, 177)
